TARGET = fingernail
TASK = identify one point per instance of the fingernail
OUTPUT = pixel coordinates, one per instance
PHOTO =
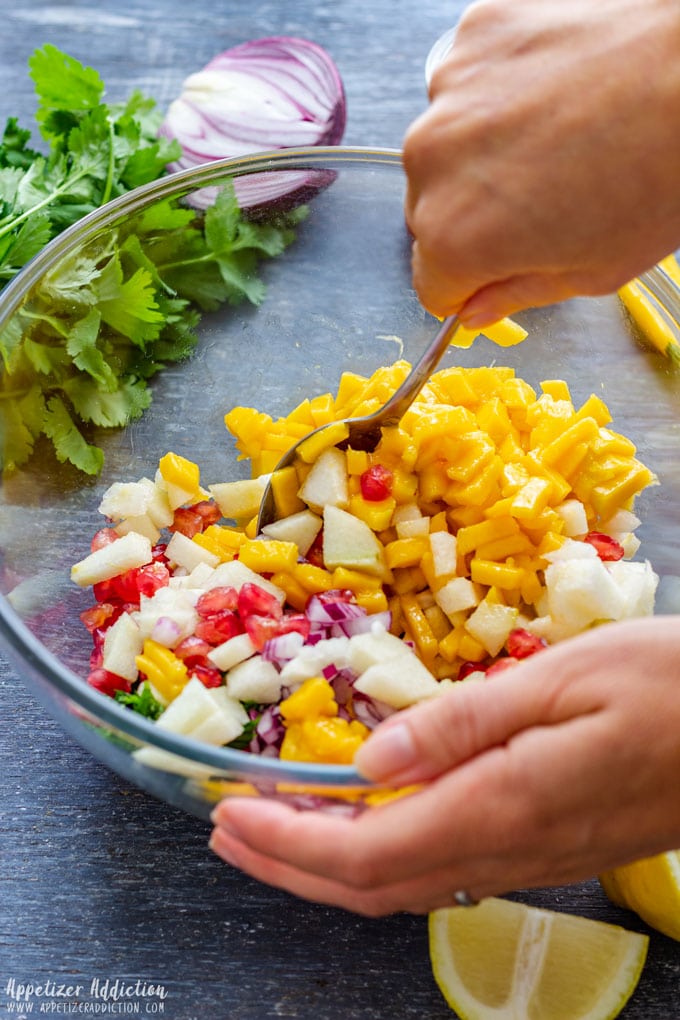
(477, 318)
(216, 844)
(388, 752)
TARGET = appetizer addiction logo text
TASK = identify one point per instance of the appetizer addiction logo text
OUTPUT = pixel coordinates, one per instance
(97, 997)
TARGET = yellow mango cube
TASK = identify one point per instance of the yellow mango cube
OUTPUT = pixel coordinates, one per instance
(268, 556)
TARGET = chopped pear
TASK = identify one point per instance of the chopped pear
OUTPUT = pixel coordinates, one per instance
(126, 553)
(300, 528)
(350, 542)
(239, 500)
(327, 483)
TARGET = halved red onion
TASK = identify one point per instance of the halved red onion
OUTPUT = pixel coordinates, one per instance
(278, 92)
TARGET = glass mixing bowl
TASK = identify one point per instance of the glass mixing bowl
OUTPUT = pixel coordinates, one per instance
(338, 298)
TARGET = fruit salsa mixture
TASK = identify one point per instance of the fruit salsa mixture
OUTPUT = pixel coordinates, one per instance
(493, 521)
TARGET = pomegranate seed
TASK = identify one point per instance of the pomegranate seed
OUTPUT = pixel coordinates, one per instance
(216, 600)
(152, 577)
(105, 536)
(105, 591)
(208, 511)
(98, 616)
(108, 683)
(186, 522)
(469, 667)
(294, 623)
(606, 547)
(219, 627)
(209, 676)
(376, 483)
(253, 600)
(501, 664)
(261, 629)
(315, 551)
(522, 643)
(193, 650)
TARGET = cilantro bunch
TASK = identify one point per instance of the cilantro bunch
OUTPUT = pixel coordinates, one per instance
(81, 351)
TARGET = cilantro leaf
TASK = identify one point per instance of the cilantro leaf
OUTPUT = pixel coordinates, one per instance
(142, 701)
(69, 444)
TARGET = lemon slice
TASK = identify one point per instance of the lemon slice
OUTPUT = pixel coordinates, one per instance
(503, 960)
(650, 887)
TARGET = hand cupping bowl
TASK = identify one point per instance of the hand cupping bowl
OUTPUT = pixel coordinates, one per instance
(338, 298)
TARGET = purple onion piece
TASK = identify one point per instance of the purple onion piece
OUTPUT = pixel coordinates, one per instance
(279, 92)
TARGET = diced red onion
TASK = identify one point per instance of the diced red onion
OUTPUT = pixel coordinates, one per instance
(274, 93)
(365, 624)
(370, 711)
(328, 613)
(166, 631)
(282, 648)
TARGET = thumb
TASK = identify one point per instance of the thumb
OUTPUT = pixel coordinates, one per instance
(431, 738)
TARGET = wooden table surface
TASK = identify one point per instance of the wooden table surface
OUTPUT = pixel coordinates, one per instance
(100, 882)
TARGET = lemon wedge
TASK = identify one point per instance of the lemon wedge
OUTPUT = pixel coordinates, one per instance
(502, 960)
(650, 887)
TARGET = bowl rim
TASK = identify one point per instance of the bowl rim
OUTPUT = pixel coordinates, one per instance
(15, 636)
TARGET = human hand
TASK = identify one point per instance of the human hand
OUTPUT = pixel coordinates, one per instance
(546, 773)
(547, 162)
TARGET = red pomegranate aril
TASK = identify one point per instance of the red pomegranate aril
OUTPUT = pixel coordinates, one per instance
(521, 643)
(376, 483)
(253, 600)
(105, 536)
(606, 547)
(209, 676)
(315, 551)
(261, 629)
(152, 577)
(99, 616)
(108, 683)
(217, 600)
(208, 511)
(469, 667)
(105, 591)
(219, 627)
(192, 650)
(187, 522)
(294, 623)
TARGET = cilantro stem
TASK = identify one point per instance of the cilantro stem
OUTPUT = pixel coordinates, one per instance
(14, 221)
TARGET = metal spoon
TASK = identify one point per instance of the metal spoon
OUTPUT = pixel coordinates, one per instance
(364, 433)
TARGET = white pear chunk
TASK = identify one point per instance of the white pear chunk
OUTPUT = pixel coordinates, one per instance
(205, 714)
(582, 591)
(185, 553)
(254, 680)
(327, 484)
(234, 574)
(398, 681)
(176, 604)
(490, 624)
(444, 553)
(637, 583)
(231, 652)
(122, 644)
(142, 524)
(311, 660)
(239, 500)
(300, 528)
(126, 553)
(350, 542)
(456, 595)
(573, 513)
